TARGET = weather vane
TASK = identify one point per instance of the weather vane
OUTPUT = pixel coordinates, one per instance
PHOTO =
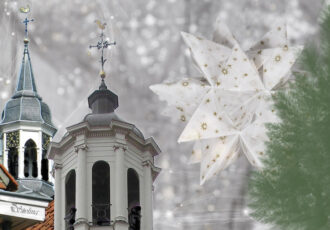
(26, 10)
(101, 45)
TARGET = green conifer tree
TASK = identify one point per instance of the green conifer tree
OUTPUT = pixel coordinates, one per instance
(293, 190)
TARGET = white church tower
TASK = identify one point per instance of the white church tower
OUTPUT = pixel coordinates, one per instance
(26, 129)
(104, 170)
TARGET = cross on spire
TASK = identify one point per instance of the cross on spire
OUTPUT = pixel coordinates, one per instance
(26, 22)
(101, 45)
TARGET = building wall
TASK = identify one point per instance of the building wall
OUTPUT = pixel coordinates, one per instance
(26, 132)
(103, 149)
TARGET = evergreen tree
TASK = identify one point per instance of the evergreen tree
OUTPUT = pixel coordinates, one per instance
(293, 190)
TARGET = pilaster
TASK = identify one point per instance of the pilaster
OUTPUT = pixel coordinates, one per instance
(50, 165)
(58, 190)
(5, 158)
(121, 213)
(20, 153)
(39, 154)
(147, 216)
(81, 188)
(5, 151)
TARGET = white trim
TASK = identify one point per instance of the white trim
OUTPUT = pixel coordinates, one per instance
(22, 210)
(23, 201)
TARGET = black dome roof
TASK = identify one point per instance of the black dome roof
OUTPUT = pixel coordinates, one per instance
(26, 104)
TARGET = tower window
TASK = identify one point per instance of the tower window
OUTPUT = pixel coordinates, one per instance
(70, 193)
(44, 169)
(44, 166)
(133, 198)
(133, 189)
(30, 159)
(101, 193)
(44, 160)
(13, 162)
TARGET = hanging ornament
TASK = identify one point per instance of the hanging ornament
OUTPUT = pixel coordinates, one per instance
(226, 110)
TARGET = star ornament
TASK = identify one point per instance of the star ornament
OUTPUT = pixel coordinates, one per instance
(241, 132)
(219, 108)
(183, 97)
(226, 110)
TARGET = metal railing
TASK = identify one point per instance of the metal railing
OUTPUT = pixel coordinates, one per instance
(101, 214)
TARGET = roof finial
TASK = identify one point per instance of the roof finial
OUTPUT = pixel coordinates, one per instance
(26, 10)
(101, 45)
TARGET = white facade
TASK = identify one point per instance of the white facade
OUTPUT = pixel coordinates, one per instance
(27, 131)
(122, 148)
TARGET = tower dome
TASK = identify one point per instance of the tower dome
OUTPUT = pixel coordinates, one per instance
(103, 104)
(26, 105)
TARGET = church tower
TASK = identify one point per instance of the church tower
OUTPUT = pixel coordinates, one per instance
(26, 129)
(104, 169)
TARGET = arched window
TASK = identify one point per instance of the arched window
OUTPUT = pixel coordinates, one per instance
(30, 159)
(70, 192)
(13, 162)
(101, 193)
(133, 189)
(44, 166)
(44, 160)
(133, 198)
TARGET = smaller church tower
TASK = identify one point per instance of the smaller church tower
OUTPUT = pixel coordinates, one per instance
(26, 129)
(104, 169)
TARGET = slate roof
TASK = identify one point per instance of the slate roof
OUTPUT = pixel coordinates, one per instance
(26, 77)
(26, 104)
(48, 224)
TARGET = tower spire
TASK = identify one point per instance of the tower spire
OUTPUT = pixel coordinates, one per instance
(101, 45)
(26, 83)
(26, 104)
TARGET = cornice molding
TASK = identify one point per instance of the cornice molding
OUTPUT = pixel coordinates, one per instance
(58, 166)
(116, 147)
(104, 131)
(100, 133)
(146, 163)
(154, 170)
(80, 147)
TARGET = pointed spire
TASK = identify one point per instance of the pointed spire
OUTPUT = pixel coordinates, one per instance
(25, 82)
(26, 105)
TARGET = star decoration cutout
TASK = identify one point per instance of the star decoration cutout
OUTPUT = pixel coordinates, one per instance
(226, 110)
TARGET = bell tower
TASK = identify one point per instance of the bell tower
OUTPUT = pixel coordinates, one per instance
(26, 129)
(104, 171)
(104, 168)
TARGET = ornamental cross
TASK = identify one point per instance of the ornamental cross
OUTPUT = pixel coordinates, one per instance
(102, 44)
(26, 22)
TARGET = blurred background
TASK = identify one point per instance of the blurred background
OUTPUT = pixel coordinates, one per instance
(149, 50)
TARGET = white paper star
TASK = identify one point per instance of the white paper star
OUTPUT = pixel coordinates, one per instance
(227, 114)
